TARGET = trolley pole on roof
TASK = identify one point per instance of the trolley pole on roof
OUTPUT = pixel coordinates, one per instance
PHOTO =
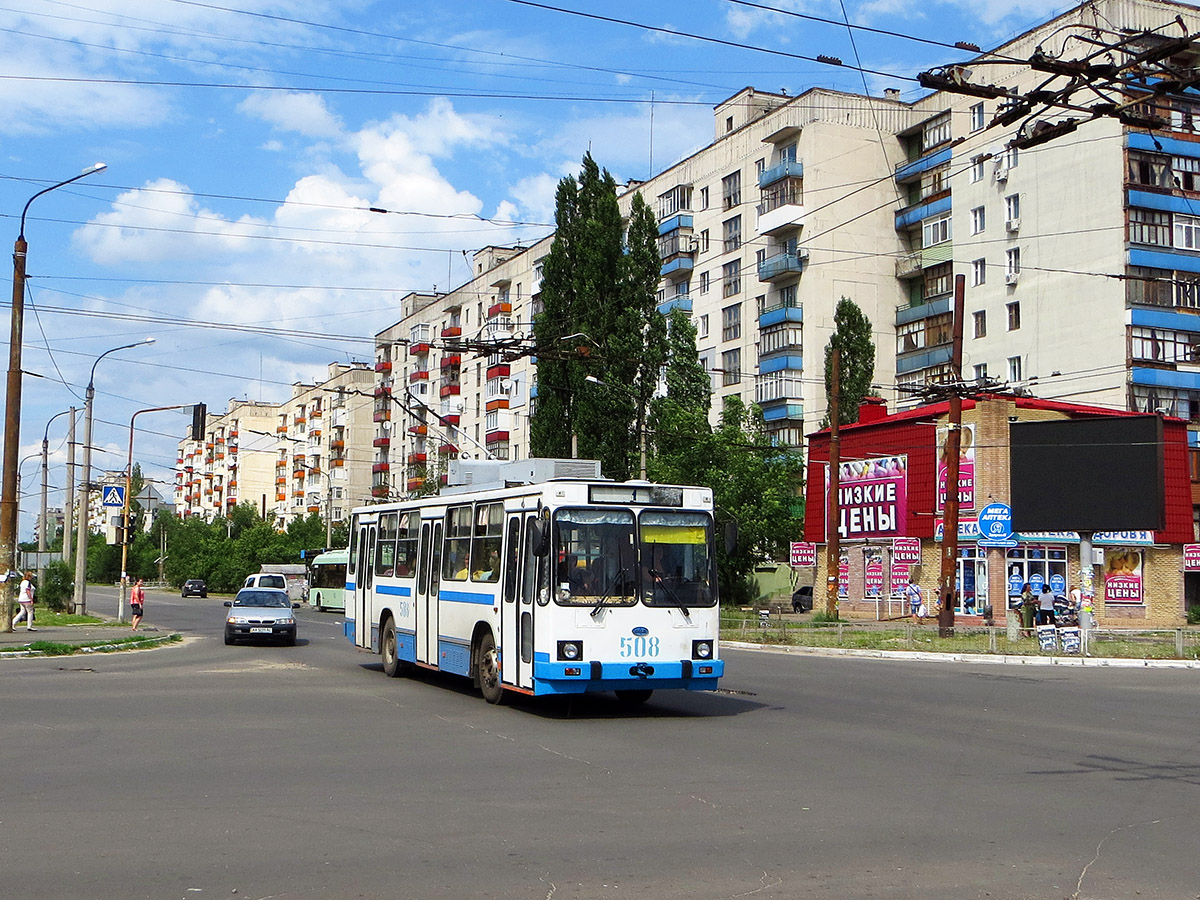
(952, 448)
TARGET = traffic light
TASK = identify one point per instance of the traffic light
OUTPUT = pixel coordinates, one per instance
(116, 533)
(199, 417)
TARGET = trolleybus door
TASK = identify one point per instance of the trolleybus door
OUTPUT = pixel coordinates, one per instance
(364, 584)
(531, 574)
(429, 579)
(509, 639)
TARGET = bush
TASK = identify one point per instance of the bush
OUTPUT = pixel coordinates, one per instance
(58, 586)
(1193, 614)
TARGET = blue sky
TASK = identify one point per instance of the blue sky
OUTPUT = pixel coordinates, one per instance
(246, 139)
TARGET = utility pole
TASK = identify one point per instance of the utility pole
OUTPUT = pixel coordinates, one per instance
(833, 547)
(70, 501)
(952, 449)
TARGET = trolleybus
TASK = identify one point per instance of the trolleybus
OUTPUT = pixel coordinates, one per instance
(327, 580)
(541, 585)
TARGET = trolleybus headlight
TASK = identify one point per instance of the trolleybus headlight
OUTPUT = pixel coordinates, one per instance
(570, 650)
(701, 649)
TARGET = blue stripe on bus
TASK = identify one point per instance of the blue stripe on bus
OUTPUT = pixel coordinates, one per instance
(349, 585)
(464, 597)
(394, 589)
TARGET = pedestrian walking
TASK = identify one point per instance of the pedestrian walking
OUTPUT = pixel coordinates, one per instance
(916, 603)
(1046, 606)
(25, 598)
(137, 601)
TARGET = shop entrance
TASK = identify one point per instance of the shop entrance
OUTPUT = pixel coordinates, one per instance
(1036, 565)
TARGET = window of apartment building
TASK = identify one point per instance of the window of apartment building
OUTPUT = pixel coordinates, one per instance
(731, 278)
(1012, 261)
(787, 295)
(936, 131)
(682, 288)
(728, 124)
(731, 191)
(732, 231)
(980, 371)
(935, 181)
(1161, 345)
(1014, 369)
(731, 322)
(977, 117)
(977, 220)
(1187, 232)
(780, 337)
(1186, 172)
(1187, 290)
(704, 282)
(759, 166)
(1183, 116)
(674, 200)
(935, 231)
(1149, 287)
(1149, 226)
(980, 322)
(939, 280)
(704, 198)
(978, 272)
(918, 335)
(1012, 210)
(976, 170)
(760, 305)
(731, 365)
(702, 326)
(704, 241)
(1150, 170)
(1014, 315)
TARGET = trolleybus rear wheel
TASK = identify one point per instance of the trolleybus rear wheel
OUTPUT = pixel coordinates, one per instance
(392, 665)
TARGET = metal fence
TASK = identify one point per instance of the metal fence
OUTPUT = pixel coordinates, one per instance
(1098, 643)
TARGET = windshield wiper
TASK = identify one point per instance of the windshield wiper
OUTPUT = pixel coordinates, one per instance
(671, 595)
(603, 601)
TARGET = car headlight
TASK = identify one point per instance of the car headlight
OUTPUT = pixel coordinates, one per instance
(702, 650)
(570, 650)
(237, 620)
(287, 621)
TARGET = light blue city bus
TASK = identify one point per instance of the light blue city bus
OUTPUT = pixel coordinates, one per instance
(327, 580)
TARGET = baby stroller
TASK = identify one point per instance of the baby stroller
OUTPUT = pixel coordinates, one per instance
(1065, 614)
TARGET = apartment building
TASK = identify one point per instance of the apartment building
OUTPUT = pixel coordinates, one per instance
(309, 454)
(1081, 258)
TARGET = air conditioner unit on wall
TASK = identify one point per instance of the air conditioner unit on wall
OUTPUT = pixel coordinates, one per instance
(693, 244)
(1001, 170)
(1011, 277)
(1013, 224)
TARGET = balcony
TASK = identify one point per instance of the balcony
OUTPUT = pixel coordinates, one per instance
(337, 462)
(382, 415)
(415, 484)
(675, 223)
(502, 308)
(417, 459)
(384, 365)
(420, 348)
(788, 168)
(313, 509)
(418, 429)
(280, 498)
(495, 437)
(451, 361)
(680, 301)
(383, 442)
(449, 390)
(501, 370)
(299, 473)
(280, 479)
(782, 265)
(452, 331)
(337, 444)
(414, 376)
(909, 264)
(378, 467)
(379, 491)
(281, 429)
(681, 265)
(447, 449)
(780, 212)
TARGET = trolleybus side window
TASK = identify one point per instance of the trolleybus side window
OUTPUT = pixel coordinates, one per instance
(408, 528)
(537, 573)
(511, 559)
(456, 561)
(485, 547)
(385, 547)
(350, 565)
(595, 559)
(677, 569)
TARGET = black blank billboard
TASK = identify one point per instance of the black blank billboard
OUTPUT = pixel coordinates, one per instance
(1088, 474)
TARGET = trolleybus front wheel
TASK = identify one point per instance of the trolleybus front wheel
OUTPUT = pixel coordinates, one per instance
(487, 669)
(392, 664)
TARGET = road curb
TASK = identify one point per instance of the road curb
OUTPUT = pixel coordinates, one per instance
(102, 648)
(990, 659)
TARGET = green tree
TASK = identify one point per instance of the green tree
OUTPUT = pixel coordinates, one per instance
(679, 420)
(599, 319)
(856, 366)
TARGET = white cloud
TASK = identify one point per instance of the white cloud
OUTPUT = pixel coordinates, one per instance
(304, 114)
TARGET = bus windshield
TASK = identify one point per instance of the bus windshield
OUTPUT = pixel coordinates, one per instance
(677, 565)
(595, 560)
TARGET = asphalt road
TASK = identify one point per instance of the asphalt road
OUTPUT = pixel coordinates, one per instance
(201, 770)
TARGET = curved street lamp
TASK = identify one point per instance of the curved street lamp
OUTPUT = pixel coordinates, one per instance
(80, 597)
(12, 405)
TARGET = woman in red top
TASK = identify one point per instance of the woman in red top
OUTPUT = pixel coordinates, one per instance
(136, 601)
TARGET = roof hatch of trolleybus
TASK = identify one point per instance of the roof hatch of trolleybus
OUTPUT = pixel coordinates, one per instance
(479, 474)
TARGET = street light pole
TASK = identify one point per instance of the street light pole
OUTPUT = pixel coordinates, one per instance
(69, 503)
(41, 569)
(12, 406)
(80, 597)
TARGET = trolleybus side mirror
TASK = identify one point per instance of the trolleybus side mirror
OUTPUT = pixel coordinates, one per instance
(731, 537)
(538, 537)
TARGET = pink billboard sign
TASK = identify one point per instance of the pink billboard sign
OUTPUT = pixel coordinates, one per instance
(803, 555)
(872, 497)
(906, 550)
(966, 469)
(1123, 577)
(1191, 557)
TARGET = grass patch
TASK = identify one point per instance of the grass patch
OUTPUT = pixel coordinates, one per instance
(116, 644)
(43, 617)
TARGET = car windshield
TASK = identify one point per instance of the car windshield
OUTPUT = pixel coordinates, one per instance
(261, 598)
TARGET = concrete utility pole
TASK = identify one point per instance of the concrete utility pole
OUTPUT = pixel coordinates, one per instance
(952, 449)
(69, 503)
(833, 546)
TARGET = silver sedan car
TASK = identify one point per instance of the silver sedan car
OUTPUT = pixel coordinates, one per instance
(261, 613)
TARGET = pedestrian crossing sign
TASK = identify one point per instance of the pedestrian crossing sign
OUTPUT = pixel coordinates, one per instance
(114, 495)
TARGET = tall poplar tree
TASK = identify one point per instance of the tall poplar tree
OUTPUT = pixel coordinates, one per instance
(856, 365)
(598, 319)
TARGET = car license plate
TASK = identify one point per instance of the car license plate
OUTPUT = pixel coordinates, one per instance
(260, 630)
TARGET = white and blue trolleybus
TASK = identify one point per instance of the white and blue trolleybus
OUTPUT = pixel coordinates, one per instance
(530, 582)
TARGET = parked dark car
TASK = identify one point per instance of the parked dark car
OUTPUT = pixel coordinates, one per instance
(194, 587)
(802, 599)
